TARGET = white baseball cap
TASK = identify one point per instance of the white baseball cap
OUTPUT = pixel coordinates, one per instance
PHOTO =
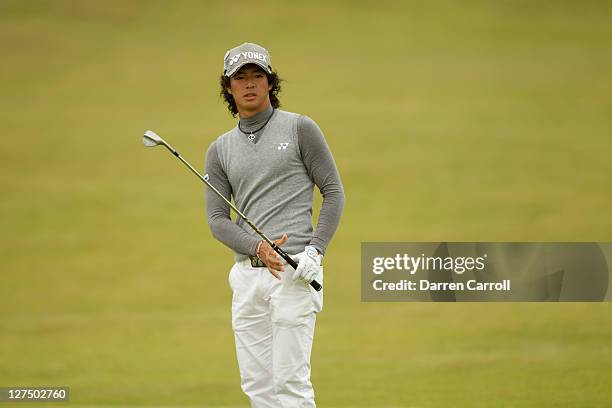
(247, 53)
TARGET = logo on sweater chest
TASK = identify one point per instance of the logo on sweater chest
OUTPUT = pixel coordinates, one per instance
(282, 146)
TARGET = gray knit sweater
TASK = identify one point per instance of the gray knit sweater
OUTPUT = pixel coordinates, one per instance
(271, 180)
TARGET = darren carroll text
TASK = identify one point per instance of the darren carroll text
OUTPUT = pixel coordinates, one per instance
(424, 284)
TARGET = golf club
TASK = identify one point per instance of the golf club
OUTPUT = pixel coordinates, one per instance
(152, 139)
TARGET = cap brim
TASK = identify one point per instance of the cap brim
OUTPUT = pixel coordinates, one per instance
(241, 64)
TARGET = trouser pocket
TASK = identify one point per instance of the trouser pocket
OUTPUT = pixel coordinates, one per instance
(317, 297)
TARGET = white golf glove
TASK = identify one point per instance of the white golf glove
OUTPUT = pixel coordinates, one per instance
(309, 265)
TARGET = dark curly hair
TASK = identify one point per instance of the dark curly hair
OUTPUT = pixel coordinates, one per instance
(273, 79)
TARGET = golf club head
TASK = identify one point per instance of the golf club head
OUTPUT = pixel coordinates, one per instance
(151, 139)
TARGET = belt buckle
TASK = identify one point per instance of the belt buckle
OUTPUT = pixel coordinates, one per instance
(256, 262)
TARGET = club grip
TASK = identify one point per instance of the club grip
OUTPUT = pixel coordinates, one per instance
(315, 285)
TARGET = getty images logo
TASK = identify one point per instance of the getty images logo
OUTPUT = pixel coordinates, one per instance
(282, 146)
(414, 264)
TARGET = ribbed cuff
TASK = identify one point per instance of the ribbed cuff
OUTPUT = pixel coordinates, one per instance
(253, 247)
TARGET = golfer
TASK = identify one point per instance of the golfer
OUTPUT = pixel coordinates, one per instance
(269, 164)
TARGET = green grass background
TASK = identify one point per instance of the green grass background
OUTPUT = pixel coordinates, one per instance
(448, 120)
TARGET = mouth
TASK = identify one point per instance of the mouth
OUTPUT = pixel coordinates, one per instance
(250, 95)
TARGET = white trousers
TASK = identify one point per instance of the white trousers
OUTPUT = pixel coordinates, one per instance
(273, 323)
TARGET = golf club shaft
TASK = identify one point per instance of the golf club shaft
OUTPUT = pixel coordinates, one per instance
(316, 285)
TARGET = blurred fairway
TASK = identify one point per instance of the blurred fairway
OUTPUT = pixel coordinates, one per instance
(448, 120)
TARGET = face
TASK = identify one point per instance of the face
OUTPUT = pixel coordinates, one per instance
(249, 87)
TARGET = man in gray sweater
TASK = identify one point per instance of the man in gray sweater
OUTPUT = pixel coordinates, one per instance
(269, 164)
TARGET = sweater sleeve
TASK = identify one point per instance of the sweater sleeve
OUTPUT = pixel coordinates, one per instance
(322, 170)
(219, 221)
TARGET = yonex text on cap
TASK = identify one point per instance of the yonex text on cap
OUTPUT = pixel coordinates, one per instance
(247, 53)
